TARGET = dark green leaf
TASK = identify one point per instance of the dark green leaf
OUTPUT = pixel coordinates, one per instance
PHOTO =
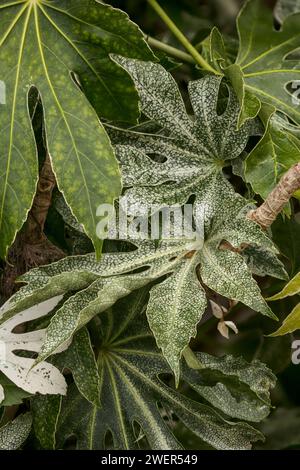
(130, 367)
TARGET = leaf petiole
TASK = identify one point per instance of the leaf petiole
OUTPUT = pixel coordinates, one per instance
(181, 38)
(170, 50)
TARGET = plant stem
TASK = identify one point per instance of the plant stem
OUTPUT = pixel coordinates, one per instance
(171, 51)
(181, 38)
(267, 213)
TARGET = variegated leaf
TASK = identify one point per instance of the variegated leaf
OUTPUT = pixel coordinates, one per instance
(194, 150)
(130, 367)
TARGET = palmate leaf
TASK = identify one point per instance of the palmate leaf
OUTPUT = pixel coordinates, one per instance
(104, 291)
(267, 71)
(133, 393)
(100, 285)
(52, 46)
(194, 152)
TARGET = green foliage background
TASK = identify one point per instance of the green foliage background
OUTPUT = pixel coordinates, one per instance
(120, 383)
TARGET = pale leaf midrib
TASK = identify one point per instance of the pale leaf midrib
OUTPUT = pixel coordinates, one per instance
(161, 390)
(139, 400)
(79, 20)
(273, 98)
(84, 59)
(117, 404)
(271, 71)
(62, 113)
(269, 51)
(12, 4)
(13, 24)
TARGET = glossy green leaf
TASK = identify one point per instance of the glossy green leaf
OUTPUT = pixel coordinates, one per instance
(131, 388)
(53, 47)
(292, 288)
(274, 155)
(263, 57)
(290, 324)
(217, 50)
(250, 104)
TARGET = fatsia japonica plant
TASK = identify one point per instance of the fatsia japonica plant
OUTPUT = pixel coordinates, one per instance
(149, 212)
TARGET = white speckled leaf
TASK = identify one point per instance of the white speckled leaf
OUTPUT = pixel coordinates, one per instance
(175, 307)
(83, 306)
(94, 297)
(15, 433)
(185, 158)
(219, 269)
(193, 150)
(253, 404)
(78, 272)
(264, 263)
(168, 257)
(45, 410)
(226, 272)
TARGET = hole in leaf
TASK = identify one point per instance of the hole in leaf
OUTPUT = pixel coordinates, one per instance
(223, 97)
(157, 157)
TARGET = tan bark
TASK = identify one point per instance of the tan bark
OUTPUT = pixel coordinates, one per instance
(31, 247)
(267, 213)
